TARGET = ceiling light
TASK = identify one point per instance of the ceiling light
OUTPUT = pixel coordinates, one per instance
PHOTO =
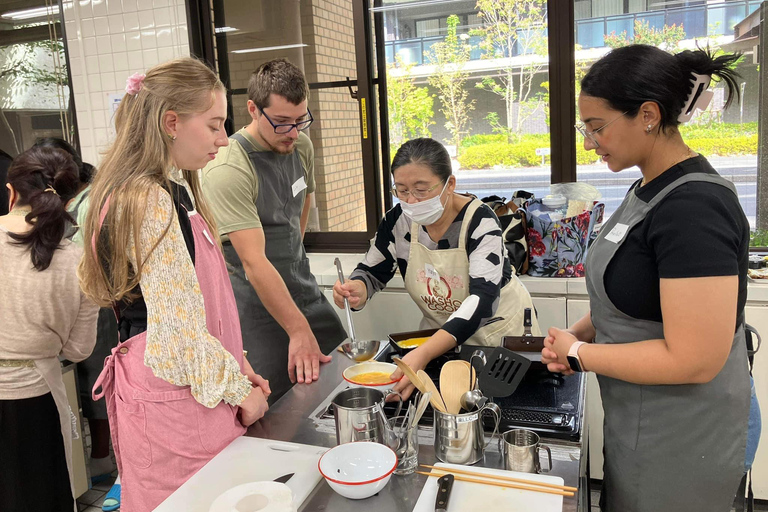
(222, 30)
(37, 12)
(269, 48)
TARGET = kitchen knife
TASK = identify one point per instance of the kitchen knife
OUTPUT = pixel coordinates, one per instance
(283, 479)
(444, 486)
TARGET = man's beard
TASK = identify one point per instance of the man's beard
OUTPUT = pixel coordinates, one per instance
(279, 148)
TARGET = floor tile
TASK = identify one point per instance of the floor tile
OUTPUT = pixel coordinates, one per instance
(105, 486)
(93, 509)
(90, 496)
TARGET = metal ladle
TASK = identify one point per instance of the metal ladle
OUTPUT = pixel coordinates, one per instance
(356, 350)
(474, 398)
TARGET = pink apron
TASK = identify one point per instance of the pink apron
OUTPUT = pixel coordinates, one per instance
(161, 435)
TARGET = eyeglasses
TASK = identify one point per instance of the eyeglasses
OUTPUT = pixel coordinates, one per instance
(285, 128)
(417, 193)
(582, 129)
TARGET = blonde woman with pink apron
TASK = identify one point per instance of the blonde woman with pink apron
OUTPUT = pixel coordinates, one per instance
(177, 387)
(450, 251)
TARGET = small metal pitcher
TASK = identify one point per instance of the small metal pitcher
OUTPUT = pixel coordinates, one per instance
(459, 438)
(359, 415)
(520, 448)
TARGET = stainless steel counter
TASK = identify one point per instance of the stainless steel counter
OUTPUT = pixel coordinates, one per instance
(289, 420)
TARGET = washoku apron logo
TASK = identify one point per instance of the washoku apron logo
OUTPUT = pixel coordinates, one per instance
(439, 292)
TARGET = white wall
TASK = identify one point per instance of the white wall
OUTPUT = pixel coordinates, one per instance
(109, 40)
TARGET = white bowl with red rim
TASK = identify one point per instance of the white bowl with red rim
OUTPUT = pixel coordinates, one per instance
(353, 371)
(358, 470)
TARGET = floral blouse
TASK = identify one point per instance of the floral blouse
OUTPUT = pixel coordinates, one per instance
(180, 350)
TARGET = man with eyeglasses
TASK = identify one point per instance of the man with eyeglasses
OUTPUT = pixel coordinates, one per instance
(259, 188)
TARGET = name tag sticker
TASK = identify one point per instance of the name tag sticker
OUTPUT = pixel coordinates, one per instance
(299, 186)
(431, 272)
(617, 233)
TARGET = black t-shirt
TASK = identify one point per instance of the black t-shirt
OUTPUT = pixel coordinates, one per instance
(698, 230)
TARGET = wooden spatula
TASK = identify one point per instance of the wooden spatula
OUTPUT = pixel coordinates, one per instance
(408, 372)
(455, 378)
(436, 400)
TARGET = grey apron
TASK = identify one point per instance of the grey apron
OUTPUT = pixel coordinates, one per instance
(280, 213)
(667, 447)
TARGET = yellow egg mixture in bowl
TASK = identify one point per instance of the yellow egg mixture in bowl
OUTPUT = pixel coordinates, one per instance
(371, 374)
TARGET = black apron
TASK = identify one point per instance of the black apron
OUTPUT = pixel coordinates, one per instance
(280, 213)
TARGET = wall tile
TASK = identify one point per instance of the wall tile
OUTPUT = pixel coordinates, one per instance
(146, 19)
(162, 3)
(131, 21)
(162, 17)
(75, 66)
(148, 39)
(133, 41)
(135, 62)
(129, 6)
(100, 26)
(150, 58)
(106, 65)
(103, 45)
(115, 23)
(84, 9)
(99, 7)
(118, 42)
(108, 82)
(86, 29)
(89, 46)
(94, 82)
(114, 6)
(164, 37)
(120, 60)
(98, 120)
(144, 5)
(92, 65)
(165, 54)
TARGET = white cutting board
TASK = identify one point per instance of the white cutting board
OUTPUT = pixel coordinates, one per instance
(471, 497)
(248, 459)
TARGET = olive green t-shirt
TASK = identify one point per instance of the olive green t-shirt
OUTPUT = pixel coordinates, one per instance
(231, 186)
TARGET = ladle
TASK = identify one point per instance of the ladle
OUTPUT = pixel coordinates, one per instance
(474, 398)
(356, 350)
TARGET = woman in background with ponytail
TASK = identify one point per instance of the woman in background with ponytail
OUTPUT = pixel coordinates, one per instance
(44, 315)
(667, 283)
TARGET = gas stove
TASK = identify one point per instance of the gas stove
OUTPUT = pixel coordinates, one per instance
(548, 403)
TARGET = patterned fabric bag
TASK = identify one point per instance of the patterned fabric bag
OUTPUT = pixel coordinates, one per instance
(513, 228)
(559, 248)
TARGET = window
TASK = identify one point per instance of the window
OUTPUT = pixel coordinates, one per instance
(34, 80)
(485, 96)
(727, 137)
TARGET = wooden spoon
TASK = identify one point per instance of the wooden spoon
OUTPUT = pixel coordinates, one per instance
(455, 377)
(436, 399)
(408, 371)
(473, 376)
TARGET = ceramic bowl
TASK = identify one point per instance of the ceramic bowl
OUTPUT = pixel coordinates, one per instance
(370, 366)
(358, 470)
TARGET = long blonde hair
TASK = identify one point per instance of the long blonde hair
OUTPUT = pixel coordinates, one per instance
(139, 158)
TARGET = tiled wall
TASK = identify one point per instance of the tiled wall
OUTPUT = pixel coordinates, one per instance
(109, 40)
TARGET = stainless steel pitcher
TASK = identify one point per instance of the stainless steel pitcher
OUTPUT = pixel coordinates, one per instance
(459, 438)
(359, 415)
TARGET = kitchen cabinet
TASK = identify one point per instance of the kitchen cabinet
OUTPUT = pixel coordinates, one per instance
(757, 317)
(551, 312)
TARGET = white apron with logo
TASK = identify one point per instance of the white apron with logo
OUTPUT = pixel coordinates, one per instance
(438, 281)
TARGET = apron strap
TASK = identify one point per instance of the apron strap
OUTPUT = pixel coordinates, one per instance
(104, 376)
(468, 214)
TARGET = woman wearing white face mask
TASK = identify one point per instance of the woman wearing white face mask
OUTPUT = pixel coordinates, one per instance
(450, 251)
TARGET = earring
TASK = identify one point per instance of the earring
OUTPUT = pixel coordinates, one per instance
(172, 137)
(648, 130)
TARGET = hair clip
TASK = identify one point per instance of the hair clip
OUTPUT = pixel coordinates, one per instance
(699, 98)
(134, 83)
(51, 189)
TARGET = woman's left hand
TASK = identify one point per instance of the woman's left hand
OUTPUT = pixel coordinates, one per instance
(416, 360)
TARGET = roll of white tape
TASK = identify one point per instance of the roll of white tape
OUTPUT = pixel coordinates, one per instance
(255, 497)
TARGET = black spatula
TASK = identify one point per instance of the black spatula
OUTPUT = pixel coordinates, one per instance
(503, 372)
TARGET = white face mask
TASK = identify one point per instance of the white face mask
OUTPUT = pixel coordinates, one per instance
(425, 212)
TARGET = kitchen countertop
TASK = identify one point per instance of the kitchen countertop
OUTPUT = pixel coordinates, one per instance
(289, 420)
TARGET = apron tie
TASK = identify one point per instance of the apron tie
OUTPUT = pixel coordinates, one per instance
(105, 380)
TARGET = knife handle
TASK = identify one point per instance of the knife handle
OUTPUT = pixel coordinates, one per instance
(444, 486)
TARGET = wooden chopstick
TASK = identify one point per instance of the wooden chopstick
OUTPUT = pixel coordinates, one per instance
(503, 478)
(498, 484)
